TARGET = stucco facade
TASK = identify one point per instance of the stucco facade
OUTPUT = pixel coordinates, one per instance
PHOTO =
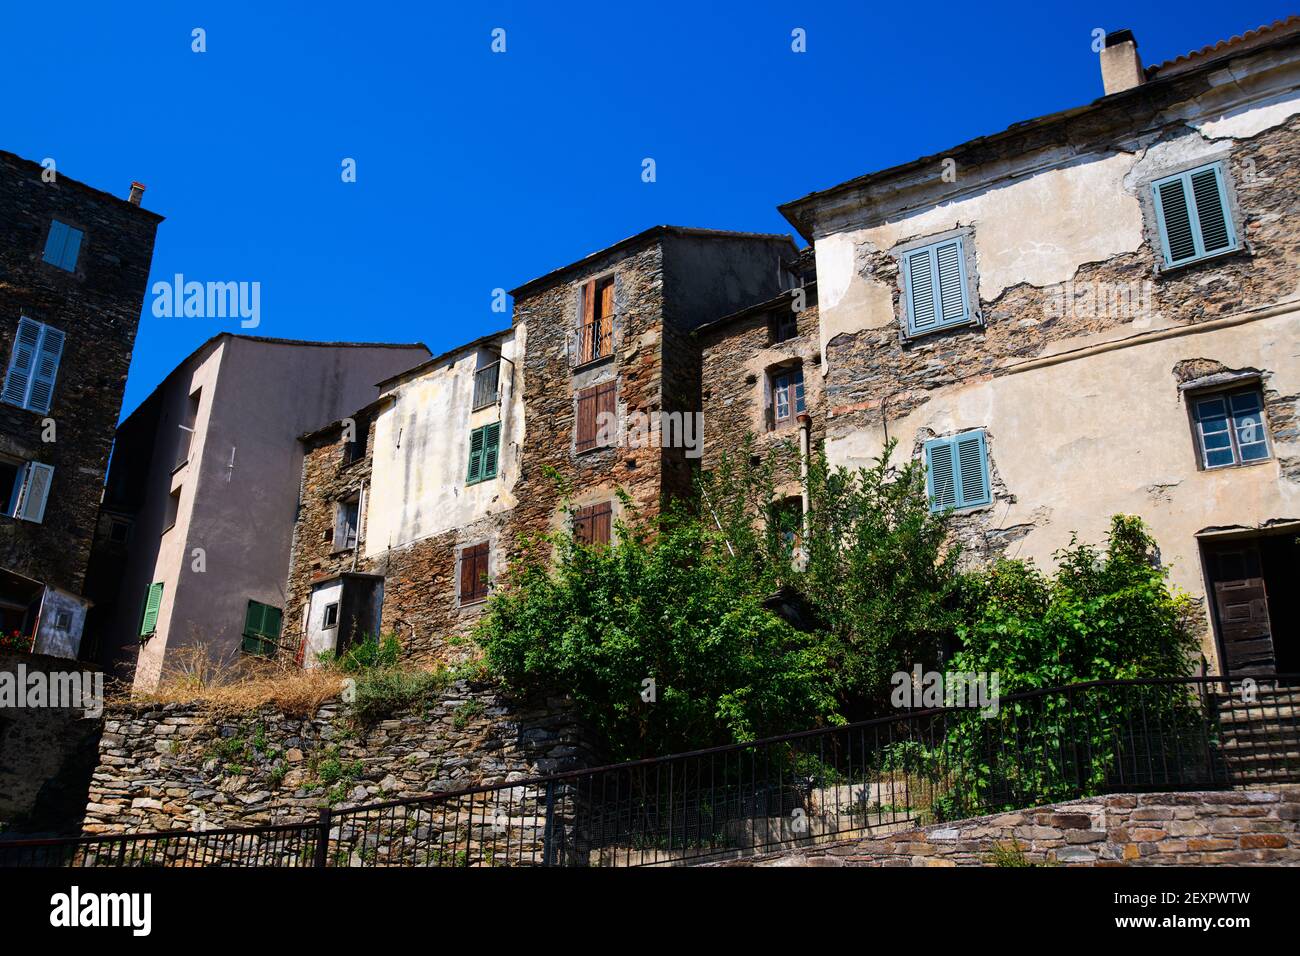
(1084, 348)
(206, 477)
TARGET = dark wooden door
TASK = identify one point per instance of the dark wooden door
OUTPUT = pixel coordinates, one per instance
(1241, 603)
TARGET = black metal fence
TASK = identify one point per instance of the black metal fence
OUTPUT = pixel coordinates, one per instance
(867, 778)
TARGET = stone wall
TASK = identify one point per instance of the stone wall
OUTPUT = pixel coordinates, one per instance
(47, 755)
(97, 306)
(1236, 827)
(173, 766)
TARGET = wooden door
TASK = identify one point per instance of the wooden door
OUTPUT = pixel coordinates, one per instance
(1241, 606)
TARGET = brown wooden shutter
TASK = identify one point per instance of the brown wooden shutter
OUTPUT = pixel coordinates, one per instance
(474, 573)
(588, 349)
(592, 402)
(591, 524)
(605, 343)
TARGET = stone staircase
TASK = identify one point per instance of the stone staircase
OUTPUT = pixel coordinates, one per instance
(1260, 740)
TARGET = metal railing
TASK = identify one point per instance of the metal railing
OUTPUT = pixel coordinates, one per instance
(868, 778)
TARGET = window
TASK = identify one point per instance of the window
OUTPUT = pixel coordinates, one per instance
(785, 325)
(24, 489)
(1193, 215)
(346, 521)
(62, 245)
(173, 510)
(474, 579)
(1230, 428)
(119, 531)
(786, 520)
(597, 337)
(185, 441)
(484, 449)
(593, 403)
(33, 366)
(935, 295)
(787, 400)
(957, 471)
(62, 620)
(591, 524)
(355, 448)
(261, 629)
(485, 385)
(149, 616)
(331, 616)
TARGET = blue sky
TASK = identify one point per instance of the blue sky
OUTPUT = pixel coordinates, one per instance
(478, 170)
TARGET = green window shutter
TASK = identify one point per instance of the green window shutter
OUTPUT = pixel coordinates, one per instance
(253, 619)
(475, 472)
(152, 602)
(940, 474)
(491, 449)
(1193, 216)
(261, 628)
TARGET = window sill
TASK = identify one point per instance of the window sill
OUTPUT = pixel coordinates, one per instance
(179, 465)
(341, 551)
(496, 400)
(168, 528)
(474, 603)
(584, 452)
(1238, 464)
(1162, 269)
(592, 363)
(975, 322)
(479, 481)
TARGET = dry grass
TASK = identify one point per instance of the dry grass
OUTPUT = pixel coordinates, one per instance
(192, 677)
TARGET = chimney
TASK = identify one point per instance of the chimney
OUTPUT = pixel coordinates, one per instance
(137, 191)
(1121, 67)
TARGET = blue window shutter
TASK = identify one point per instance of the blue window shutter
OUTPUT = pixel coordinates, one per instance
(46, 370)
(972, 469)
(71, 247)
(491, 447)
(1193, 216)
(37, 478)
(22, 361)
(940, 474)
(55, 242)
(918, 278)
(475, 472)
(934, 286)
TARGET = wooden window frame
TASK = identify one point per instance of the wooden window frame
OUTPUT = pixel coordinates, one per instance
(596, 328)
(1225, 394)
(593, 518)
(589, 404)
(479, 401)
(475, 566)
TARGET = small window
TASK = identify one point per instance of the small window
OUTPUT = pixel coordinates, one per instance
(149, 615)
(485, 385)
(62, 620)
(1193, 215)
(597, 333)
(331, 616)
(785, 325)
(935, 294)
(787, 399)
(354, 449)
(346, 522)
(957, 471)
(118, 531)
(474, 573)
(173, 510)
(1230, 428)
(595, 415)
(33, 366)
(261, 629)
(62, 246)
(484, 450)
(185, 440)
(25, 489)
(592, 524)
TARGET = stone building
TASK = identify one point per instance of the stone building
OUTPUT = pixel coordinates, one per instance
(198, 510)
(1090, 313)
(74, 264)
(407, 534)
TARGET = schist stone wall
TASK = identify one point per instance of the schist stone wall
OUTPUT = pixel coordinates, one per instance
(738, 355)
(1230, 828)
(175, 766)
(97, 307)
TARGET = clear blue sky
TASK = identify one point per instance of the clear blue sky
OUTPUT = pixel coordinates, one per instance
(478, 170)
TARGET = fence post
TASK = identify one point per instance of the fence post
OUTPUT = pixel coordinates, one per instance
(322, 839)
(548, 831)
